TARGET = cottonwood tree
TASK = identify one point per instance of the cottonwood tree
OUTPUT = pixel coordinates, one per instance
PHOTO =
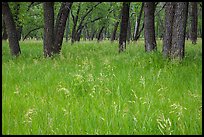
(53, 36)
(11, 29)
(175, 23)
(149, 28)
(124, 26)
(193, 21)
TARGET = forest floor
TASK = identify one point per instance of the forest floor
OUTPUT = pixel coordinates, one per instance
(92, 89)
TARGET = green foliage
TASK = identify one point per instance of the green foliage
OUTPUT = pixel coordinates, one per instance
(91, 89)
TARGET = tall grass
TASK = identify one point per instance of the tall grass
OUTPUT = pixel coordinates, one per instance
(91, 89)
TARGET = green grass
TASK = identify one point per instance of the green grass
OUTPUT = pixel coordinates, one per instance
(91, 89)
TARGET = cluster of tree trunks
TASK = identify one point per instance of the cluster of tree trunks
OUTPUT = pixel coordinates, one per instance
(175, 29)
(53, 35)
(77, 30)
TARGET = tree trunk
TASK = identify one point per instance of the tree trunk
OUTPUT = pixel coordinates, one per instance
(193, 21)
(16, 20)
(11, 30)
(75, 20)
(114, 31)
(169, 18)
(137, 23)
(149, 28)
(129, 32)
(60, 26)
(100, 34)
(67, 28)
(78, 34)
(179, 30)
(124, 26)
(5, 35)
(48, 44)
(93, 34)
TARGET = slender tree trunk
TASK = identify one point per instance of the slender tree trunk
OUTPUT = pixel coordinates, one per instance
(137, 23)
(149, 28)
(78, 34)
(193, 21)
(11, 29)
(100, 34)
(60, 26)
(75, 20)
(48, 28)
(93, 34)
(114, 31)
(124, 26)
(169, 18)
(179, 30)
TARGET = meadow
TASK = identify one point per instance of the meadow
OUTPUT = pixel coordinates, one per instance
(92, 89)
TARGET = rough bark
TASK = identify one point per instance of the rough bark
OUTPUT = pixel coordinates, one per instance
(4, 35)
(124, 26)
(169, 17)
(193, 21)
(48, 45)
(179, 30)
(149, 28)
(60, 25)
(11, 30)
(129, 32)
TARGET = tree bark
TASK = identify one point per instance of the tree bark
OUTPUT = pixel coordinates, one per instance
(169, 18)
(75, 20)
(48, 44)
(193, 21)
(137, 23)
(149, 28)
(11, 29)
(60, 25)
(5, 35)
(129, 32)
(179, 30)
(124, 26)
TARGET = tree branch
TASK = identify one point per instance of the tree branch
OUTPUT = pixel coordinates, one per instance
(32, 31)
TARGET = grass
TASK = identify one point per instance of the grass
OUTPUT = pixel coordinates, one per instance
(91, 89)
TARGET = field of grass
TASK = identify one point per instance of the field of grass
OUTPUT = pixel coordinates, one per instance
(91, 89)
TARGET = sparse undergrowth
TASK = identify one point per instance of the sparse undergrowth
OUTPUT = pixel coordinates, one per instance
(91, 89)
